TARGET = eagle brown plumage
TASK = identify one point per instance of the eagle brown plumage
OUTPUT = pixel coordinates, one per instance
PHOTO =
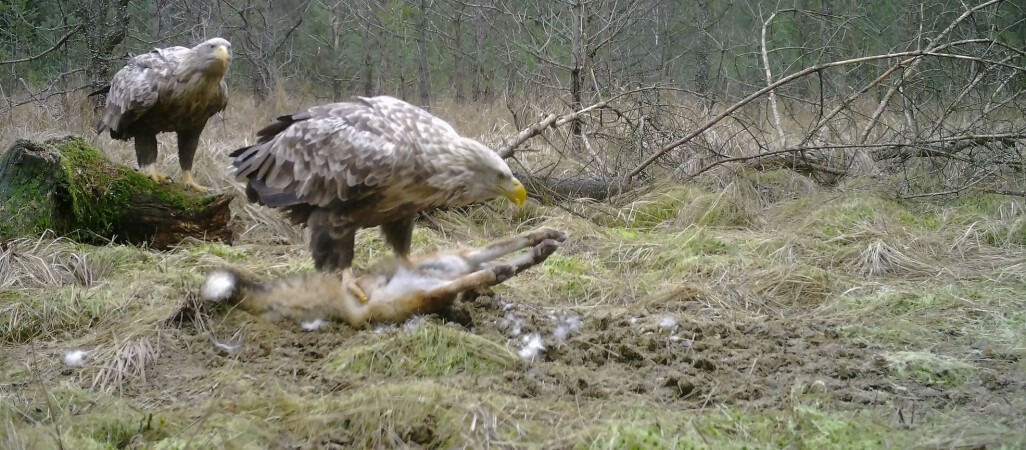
(369, 162)
(168, 89)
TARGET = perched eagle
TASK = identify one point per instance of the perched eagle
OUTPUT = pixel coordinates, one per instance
(369, 162)
(168, 89)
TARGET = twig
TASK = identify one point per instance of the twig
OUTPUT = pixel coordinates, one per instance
(40, 102)
(953, 191)
(908, 56)
(551, 120)
(971, 137)
(932, 47)
(769, 80)
(44, 52)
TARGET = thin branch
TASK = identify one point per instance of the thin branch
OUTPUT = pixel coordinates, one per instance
(60, 42)
(769, 80)
(909, 55)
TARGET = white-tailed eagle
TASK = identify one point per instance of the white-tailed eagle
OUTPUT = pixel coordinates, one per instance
(167, 89)
(369, 162)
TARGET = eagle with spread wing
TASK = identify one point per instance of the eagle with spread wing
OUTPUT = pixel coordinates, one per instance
(167, 89)
(369, 162)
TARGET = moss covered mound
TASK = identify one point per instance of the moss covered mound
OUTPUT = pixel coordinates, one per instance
(69, 187)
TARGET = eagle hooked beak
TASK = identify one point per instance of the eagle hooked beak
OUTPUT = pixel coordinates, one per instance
(221, 53)
(516, 194)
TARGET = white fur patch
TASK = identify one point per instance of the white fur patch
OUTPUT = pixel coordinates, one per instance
(219, 285)
(75, 358)
(405, 281)
(311, 325)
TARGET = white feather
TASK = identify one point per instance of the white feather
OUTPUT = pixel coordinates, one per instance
(75, 358)
(533, 345)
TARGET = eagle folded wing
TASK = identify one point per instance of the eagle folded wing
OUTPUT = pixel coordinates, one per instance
(136, 88)
(341, 151)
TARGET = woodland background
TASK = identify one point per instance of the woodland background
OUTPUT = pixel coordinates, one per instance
(793, 224)
(859, 88)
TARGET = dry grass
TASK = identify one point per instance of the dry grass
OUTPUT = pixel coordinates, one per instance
(751, 290)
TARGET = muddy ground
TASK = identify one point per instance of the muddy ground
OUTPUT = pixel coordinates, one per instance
(803, 330)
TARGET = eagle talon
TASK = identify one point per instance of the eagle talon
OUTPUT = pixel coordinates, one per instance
(189, 183)
(156, 176)
(355, 290)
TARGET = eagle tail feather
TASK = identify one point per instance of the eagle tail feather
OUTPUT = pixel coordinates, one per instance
(270, 196)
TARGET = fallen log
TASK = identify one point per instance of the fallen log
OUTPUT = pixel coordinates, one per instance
(571, 187)
(70, 187)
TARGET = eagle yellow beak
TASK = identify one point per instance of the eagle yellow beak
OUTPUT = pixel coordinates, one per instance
(517, 194)
(222, 54)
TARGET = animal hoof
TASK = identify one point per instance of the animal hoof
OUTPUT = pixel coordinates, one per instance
(503, 272)
(554, 234)
(544, 249)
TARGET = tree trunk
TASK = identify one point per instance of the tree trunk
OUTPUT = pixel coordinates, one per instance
(368, 63)
(423, 84)
(577, 71)
(70, 187)
(103, 35)
(457, 56)
(702, 64)
(480, 30)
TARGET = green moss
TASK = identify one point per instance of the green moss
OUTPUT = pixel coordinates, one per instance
(853, 214)
(99, 192)
(980, 203)
(655, 208)
(84, 197)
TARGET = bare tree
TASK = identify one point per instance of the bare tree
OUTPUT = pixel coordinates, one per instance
(106, 25)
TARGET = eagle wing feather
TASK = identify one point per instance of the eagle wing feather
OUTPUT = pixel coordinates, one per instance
(344, 151)
(137, 86)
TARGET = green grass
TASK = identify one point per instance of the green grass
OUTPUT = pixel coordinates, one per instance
(428, 351)
(752, 287)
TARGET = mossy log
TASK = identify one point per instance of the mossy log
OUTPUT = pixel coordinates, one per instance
(70, 187)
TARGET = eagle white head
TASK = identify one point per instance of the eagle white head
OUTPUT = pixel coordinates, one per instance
(214, 55)
(484, 175)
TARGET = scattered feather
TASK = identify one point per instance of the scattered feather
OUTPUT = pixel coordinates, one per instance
(512, 323)
(75, 358)
(532, 346)
(667, 322)
(567, 326)
(412, 323)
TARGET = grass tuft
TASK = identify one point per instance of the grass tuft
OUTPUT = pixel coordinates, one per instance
(429, 350)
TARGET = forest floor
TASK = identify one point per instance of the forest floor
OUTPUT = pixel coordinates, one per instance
(751, 310)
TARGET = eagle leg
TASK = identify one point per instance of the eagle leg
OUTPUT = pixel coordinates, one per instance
(146, 156)
(330, 252)
(188, 141)
(399, 235)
